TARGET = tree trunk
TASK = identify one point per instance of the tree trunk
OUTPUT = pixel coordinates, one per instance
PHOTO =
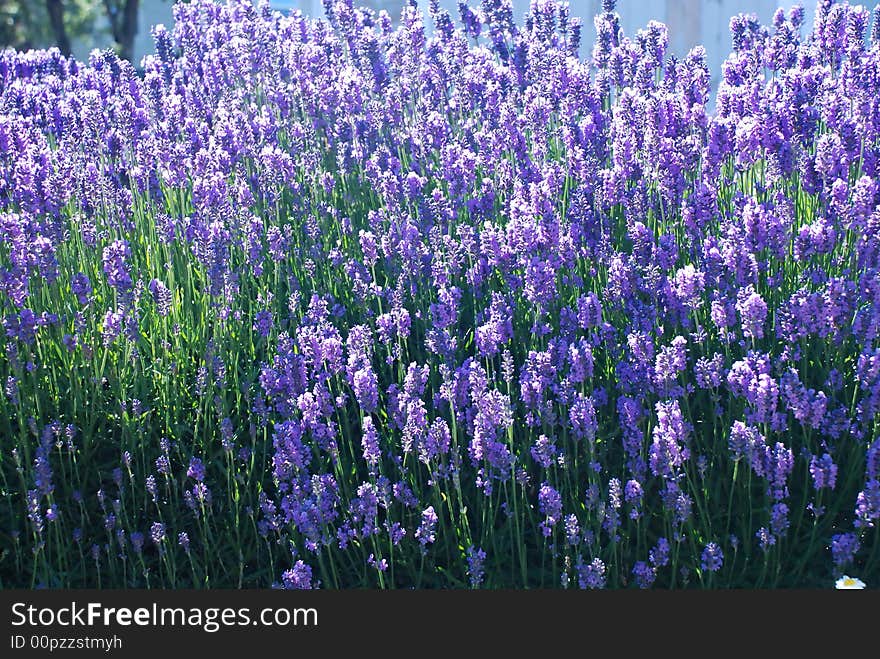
(123, 16)
(55, 8)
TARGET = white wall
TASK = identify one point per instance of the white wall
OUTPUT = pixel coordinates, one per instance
(151, 13)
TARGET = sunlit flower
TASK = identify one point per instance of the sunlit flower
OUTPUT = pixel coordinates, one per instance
(849, 583)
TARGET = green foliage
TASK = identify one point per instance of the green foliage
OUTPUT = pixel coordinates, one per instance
(25, 24)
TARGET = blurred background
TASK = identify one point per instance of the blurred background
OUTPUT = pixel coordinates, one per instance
(78, 26)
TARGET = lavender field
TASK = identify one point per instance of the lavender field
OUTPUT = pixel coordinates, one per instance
(352, 302)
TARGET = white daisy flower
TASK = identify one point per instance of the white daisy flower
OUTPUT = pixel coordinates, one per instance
(849, 583)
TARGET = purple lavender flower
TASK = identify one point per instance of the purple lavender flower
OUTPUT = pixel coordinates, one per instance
(668, 450)
(591, 575)
(437, 442)
(226, 434)
(11, 389)
(582, 416)
(81, 287)
(644, 575)
(202, 494)
(744, 439)
(363, 514)
(475, 566)
(157, 533)
(670, 361)
(22, 326)
(381, 565)
(370, 443)
(151, 487)
(161, 296)
(615, 493)
(366, 389)
(299, 577)
(712, 557)
(688, 285)
(589, 311)
(137, 541)
(843, 548)
(708, 372)
(572, 530)
(633, 494)
(659, 555)
(779, 521)
(753, 312)
(824, 471)
(765, 538)
(868, 504)
(396, 532)
(721, 315)
(196, 469)
(550, 505)
(426, 533)
(112, 326)
(115, 266)
(263, 323)
(868, 500)
(544, 451)
(42, 466)
(511, 244)
(34, 513)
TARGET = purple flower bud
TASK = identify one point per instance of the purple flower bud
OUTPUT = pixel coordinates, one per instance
(753, 312)
(582, 416)
(157, 533)
(115, 266)
(544, 451)
(659, 555)
(572, 529)
(824, 472)
(779, 519)
(137, 541)
(161, 296)
(81, 287)
(668, 450)
(644, 574)
(475, 560)
(712, 558)
(298, 578)
(843, 548)
(591, 575)
(426, 533)
(196, 469)
(550, 505)
(263, 323)
(183, 541)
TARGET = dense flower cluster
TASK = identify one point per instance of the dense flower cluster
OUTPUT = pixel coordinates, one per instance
(347, 302)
